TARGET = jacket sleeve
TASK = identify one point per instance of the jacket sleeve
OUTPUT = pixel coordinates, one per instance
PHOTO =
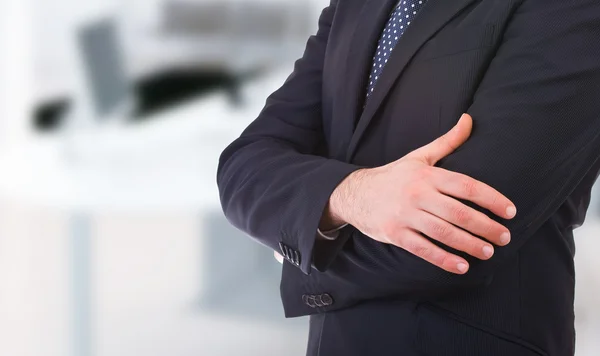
(274, 182)
(535, 136)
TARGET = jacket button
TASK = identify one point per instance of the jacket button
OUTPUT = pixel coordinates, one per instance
(326, 299)
(319, 301)
(305, 299)
(309, 300)
(285, 250)
(297, 258)
(282, 248)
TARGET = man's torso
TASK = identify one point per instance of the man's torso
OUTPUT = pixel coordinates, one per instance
(431, 79)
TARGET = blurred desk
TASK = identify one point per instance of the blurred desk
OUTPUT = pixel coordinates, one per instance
(228, 37)
(74, 174)
(152, 55)
(145, 165)
(167, 163)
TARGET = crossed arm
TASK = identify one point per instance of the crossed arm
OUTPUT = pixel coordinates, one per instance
(536, 134)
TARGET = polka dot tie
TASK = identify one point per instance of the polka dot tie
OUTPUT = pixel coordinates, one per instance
(402, 16)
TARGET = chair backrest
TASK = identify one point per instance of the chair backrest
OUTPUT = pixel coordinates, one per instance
(103, 68)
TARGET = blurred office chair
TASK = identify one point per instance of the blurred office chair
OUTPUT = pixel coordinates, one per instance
(104, 67)
(104, 93)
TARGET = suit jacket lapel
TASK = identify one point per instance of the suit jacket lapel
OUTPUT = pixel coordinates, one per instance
(432, 17)
(354, 72)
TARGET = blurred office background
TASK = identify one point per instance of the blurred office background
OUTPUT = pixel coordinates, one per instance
(112, 241)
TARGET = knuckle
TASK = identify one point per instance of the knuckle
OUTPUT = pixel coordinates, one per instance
(419, 250)
(492, 199)
(498, 201)
(495, 199)
(439, 230)
(422, 173)
(414, 194)
(427, 172)
(461, 215)
(469, 187)
(454, 240)
(389, 229)
(442, 259)
(396, 240)
(474, 246)
(445, 141)
(488, 227)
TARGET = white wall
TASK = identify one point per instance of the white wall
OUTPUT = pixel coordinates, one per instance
(15, 71)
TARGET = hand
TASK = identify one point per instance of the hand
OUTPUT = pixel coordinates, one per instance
(397, 202)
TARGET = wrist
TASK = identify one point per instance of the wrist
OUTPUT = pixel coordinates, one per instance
(330, 220)
(339, 210)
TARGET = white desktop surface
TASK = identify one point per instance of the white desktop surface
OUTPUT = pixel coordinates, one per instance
(168, 161)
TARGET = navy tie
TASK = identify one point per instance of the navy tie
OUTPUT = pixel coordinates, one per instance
(402, 16)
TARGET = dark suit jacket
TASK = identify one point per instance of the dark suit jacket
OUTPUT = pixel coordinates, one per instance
(528, 71)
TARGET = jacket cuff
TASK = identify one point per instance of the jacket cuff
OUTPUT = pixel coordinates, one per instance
(308, 210)
(325, 251)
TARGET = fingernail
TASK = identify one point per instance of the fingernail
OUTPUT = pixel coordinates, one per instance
(462, 267)
(511, 211)
(488, 251)
(505, 238)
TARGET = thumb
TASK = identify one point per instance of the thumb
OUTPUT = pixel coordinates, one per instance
(447, 143)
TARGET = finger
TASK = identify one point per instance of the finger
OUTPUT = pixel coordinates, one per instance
(467, 218)
(447, 143)
(419, 246)
(464, 187)
(452, 236)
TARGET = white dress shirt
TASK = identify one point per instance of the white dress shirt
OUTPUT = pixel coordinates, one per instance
(331, 234)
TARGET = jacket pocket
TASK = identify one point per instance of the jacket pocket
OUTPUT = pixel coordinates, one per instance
(457, 40)
(439, 334)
